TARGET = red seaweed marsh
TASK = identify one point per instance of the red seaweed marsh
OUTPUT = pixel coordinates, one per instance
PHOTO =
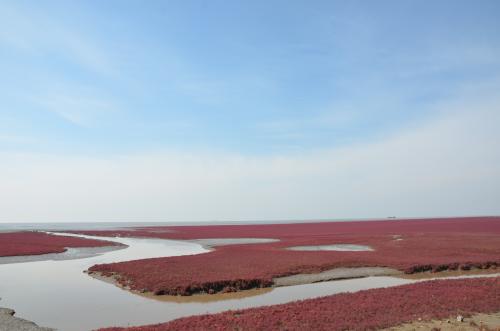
(38, 243)
(365, 310)
(249, 277)
(409, 246)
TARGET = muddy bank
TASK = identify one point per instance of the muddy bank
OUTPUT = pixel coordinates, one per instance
(335, 274)
(475, 322)
(204, 298)
(216, 288)
(449, 273)
(455, 266)
(200, 297)
(69, 254)
(211, 288)
(8, 322)
(299, 279)
(225, 291)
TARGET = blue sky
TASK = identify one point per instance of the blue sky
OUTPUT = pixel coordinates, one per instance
(251, 80)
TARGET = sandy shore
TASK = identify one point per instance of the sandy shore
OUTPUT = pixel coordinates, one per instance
(8, 322)
(473, 323)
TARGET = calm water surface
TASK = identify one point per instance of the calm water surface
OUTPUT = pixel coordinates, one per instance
(336, 247)
(58, 294)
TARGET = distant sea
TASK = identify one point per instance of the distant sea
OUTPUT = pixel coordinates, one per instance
(4, 227)
(74, 226)
(68, 226)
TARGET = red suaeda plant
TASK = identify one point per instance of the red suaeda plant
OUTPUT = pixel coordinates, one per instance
(364, 310)
(36, 243)
(421, 245)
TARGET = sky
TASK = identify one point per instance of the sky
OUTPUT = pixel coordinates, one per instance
(248, 110)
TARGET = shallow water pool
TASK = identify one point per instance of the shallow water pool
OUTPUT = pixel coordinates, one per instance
(336, 247)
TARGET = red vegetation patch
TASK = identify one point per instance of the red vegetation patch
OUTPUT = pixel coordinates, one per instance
(36, 243)
(407, 245)
(364, 310)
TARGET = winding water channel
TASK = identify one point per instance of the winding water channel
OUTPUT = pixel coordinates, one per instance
(58, 294)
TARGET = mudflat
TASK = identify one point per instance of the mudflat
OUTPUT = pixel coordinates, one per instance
(8, 322)
(335, 274)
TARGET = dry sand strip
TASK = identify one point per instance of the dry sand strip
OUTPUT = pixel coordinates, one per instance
(483, 322)
(10, 323)
(335, 274)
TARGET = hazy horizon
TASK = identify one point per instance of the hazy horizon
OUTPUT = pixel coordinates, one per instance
(255, 221)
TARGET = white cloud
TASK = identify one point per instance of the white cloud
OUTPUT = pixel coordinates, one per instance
(448, 166)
